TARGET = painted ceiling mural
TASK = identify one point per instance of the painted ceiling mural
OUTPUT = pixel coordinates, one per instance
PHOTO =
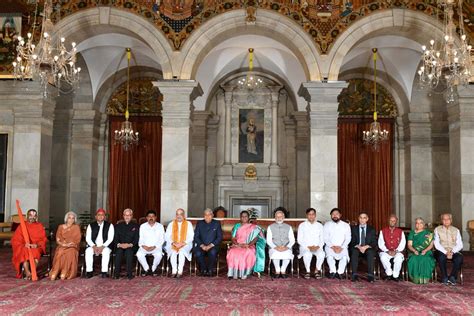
(323, 20)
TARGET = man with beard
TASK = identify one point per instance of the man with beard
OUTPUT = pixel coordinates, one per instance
(179, 237)
(391, 244)
(152, 238)
(37, 244)
(280, 239)
(337, 236)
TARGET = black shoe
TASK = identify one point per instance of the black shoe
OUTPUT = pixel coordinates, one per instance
(452, 280)
(143, 273)
(332, 275)
(89, 275)
(204, 273)
(149, 273)
(116, 276)
(370, 279)
(318, 275)
(338, 276)
(104, 275)
(396, 279)
(355, 278)
(284, 276)
(131, 276)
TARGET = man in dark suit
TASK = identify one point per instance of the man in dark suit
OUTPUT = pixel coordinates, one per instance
(126, 243)
(363, 243)
(207, 238)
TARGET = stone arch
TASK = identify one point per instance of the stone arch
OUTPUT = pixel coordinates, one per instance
(80, 25)
(420, 27)
(233, 23)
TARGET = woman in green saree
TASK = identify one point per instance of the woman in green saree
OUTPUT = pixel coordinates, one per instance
(247, 253)
(420, 260)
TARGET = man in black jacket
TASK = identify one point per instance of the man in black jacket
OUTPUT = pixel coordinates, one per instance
(363, 243)
(126, 243)
(207, 239)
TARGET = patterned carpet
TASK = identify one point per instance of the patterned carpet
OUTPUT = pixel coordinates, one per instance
(219, 296)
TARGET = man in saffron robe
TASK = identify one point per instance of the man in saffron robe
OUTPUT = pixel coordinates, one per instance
(20, 248)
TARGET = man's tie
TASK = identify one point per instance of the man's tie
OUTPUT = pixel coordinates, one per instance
(362, 237)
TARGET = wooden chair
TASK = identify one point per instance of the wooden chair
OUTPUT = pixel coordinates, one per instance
(470, 229)
(6, 233)
(163, 262)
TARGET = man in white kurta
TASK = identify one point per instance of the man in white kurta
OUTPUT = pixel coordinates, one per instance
(179, 243)
(391, 245)
(337, 236)
(152, 238)
(311, 241)
(280, 240)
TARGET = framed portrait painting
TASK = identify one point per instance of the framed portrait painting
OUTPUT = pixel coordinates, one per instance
(251, 135)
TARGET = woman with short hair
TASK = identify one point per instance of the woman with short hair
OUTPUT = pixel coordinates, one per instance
(420, 259)
(68, 238)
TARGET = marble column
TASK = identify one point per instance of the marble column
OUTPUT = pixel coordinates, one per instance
(275, 98)
(461, 152)
(85, 126)
(32, 147)
(302, 162)
(177, 106)
(197, 200)
(418, 167)
(228, 92)
(322, 110)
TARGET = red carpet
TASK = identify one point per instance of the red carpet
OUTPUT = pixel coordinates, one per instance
(219, 296)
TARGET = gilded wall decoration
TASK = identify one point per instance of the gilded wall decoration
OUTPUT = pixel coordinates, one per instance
(323, 20)
(358, 99)
(144, 98)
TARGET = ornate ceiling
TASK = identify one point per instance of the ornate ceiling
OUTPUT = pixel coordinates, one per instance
(324, 20)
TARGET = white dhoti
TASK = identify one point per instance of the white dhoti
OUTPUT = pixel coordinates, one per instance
(90, 259)
(332, 257)
(281, 259)
(397, 263)
(307, 256)
(157, 255)
(177, 259)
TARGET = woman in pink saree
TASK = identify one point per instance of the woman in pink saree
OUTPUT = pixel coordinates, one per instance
(247, 253)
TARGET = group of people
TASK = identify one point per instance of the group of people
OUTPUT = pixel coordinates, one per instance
(335, 241)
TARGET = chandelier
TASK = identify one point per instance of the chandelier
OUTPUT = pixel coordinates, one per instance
(375, 135)
(126, 136)
(446, 65)
(250, 81)
(49, 61)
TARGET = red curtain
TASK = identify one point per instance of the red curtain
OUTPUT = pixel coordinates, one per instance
(365, 176)
(135, 175)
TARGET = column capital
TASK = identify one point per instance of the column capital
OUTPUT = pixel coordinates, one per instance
(178, 96)
(179, 90)
(321, 92)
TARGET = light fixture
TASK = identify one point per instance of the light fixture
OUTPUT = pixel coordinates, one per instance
(444, 65)
(49, 61)
(126, 136)
(250, 81)
(375, 135)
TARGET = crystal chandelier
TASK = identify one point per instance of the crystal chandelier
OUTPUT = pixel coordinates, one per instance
(250, 81)
(126, 136)
(375, 135)
(49, 61)
(447, 65)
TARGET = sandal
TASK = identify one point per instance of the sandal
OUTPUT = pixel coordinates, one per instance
(307, 276)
